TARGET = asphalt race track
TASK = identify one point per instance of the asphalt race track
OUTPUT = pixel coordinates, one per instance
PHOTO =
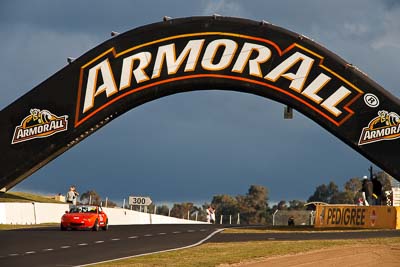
(287, 236)
(52, 247)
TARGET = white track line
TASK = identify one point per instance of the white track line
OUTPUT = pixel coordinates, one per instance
(151, 253)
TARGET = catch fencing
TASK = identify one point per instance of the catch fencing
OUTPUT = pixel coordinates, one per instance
(300, 217)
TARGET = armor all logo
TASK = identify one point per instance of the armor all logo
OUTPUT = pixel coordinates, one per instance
(386, 126)
(39, 124)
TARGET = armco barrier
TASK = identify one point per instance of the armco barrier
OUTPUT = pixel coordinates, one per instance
(382, 217)
(36, 213)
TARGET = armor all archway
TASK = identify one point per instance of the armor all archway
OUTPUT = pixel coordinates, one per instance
(197, 53)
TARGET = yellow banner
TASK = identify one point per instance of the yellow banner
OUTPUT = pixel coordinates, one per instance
(357, 216)
(398, 218)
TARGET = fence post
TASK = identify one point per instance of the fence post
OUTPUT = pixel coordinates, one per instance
(312, 217)
(34, 211)
(238, 219)
(188, 215)
(273, 217)
(230, 219)
(197, 213)
(169, 212)
(220, 221)
(151, 220)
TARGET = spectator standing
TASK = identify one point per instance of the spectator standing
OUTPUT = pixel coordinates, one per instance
(376, 191)
(72, 195)
(367, 191)
(210, 214)
(291, 221)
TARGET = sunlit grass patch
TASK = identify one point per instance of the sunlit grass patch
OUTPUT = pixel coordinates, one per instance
(214, 254)
(25, 197)
(23, 226)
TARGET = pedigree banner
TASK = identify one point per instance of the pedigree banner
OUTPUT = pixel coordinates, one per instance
(197, 53)
(351, 216)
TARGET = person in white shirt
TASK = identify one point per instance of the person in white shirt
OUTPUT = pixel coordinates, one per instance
(72, 195)
(210, 215)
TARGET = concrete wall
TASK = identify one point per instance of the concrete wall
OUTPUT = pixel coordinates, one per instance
(36, 213)
(30, 213)
(118, 216)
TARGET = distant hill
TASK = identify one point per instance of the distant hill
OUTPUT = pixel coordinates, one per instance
(26, 197)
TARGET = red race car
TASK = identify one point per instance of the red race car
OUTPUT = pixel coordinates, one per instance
(84, 217)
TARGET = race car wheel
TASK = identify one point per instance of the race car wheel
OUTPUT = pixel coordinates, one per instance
(105, 227)
(96, 226)
(63, 228)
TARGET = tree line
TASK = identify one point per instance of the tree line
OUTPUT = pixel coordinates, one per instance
(253, 207)
(351, 193)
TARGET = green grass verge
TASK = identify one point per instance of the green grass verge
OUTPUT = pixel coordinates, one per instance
(213, 254)
(25, 197)
(19, 226)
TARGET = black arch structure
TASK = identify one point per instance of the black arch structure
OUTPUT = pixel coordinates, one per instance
(197, 53)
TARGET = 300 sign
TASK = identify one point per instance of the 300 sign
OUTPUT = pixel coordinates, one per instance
(141, 201)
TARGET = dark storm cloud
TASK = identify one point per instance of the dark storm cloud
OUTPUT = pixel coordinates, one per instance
(100, 16)
(194, 145)
(391, 4)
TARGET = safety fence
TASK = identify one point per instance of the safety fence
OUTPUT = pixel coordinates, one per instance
(293, 217)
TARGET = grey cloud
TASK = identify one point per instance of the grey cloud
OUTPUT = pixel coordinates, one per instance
(224, 8)
(96, 16)
(32, 55)
(391, 4)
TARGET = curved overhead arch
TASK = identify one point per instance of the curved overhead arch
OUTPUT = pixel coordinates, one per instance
(197, 53)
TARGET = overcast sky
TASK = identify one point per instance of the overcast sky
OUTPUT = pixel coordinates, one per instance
(191, 146)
